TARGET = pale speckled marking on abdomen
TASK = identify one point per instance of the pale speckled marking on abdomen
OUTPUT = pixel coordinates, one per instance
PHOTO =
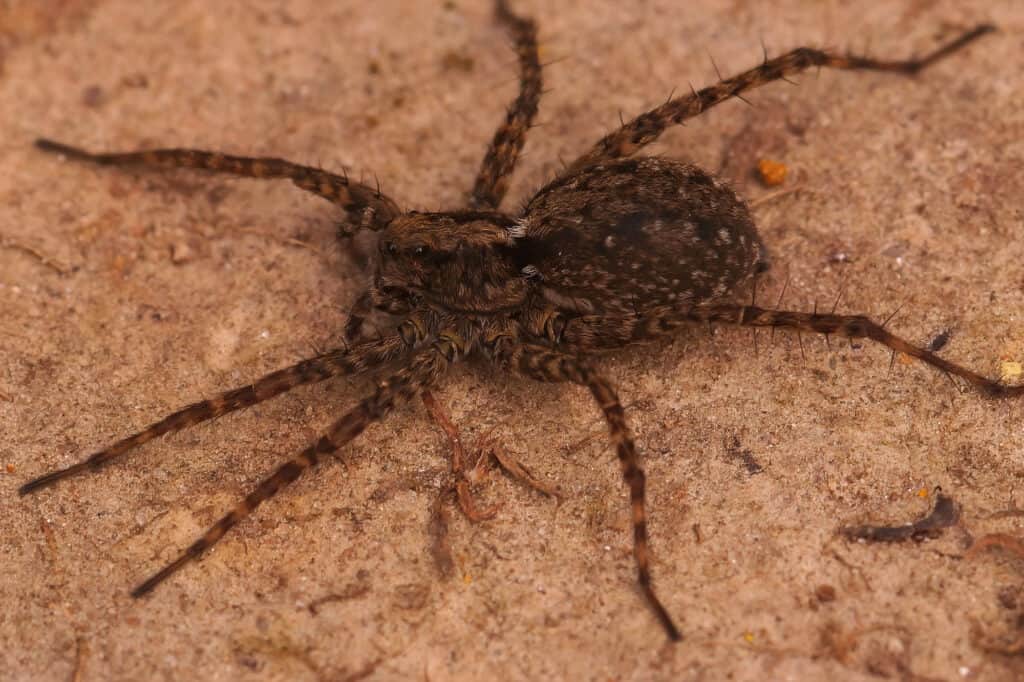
(637, 233)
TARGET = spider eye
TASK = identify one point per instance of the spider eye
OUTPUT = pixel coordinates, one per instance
(419, 250)
(391, 247)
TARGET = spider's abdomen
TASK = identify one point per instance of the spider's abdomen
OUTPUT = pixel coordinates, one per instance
(632, 234)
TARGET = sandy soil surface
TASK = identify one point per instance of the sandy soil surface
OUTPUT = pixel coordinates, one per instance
(125, 295)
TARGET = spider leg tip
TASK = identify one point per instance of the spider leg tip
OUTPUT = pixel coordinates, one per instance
(148, 585)
(40, 482)
(47, 144)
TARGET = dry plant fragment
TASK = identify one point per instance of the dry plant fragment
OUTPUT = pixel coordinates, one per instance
(48, 261)
(943, 515)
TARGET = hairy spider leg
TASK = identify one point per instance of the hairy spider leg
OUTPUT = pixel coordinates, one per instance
(424, 369)
(853, 327)
(549, 366)
(353, 360)
(646, 127)
(492, 180)
(589, 334)
(367, 207)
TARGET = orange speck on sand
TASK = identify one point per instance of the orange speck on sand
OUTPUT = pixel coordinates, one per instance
(772, 173)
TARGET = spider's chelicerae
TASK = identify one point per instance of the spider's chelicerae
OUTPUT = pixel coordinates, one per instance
(615, 250)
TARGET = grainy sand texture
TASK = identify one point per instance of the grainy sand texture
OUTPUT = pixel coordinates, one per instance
(127, 294)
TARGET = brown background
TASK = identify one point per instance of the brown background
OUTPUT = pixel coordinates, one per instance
(154, 290)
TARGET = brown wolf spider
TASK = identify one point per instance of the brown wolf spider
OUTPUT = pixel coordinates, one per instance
(614, 250)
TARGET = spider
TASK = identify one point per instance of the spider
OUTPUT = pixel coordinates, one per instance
(615, 250)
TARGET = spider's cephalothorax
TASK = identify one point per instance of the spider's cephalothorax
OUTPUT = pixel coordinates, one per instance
(614, 250)
(458, 261)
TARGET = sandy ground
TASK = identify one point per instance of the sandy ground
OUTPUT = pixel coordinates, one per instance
(126, 295)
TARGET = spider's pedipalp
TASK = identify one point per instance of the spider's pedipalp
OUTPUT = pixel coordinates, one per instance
(366, 206)
(362, 307)
(648, 126)
(499, 162)
(424, 369)
(549, 366)
(353, 360)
